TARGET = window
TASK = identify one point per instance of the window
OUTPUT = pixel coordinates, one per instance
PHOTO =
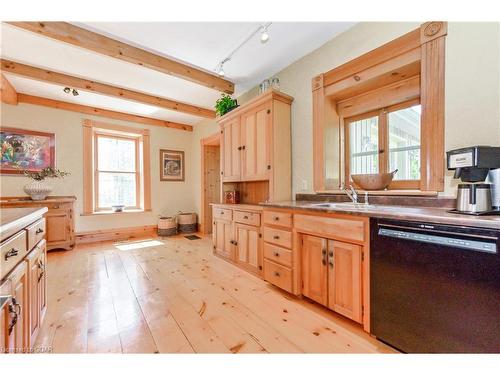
(386, 140)
(116, 168)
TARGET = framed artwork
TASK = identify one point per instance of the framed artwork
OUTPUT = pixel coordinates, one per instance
(31, 150)
(171, 165)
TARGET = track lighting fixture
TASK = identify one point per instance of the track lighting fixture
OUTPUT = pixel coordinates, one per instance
(67, 90)
(264, 36)
(75, 92)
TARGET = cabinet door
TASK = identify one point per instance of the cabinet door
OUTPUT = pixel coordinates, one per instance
(248, 247)
(223, 237)
(20, 294)
(58, 226)
(314, 268)
(344, 279)
(6, 341)
(42, 280)
(231, 150)
(255, 139)
(34, 301)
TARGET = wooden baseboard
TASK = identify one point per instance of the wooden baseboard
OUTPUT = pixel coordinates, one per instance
(115, 234)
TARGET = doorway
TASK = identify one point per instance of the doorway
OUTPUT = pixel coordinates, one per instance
(210, 179)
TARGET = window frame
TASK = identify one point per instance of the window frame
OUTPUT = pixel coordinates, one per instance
(383, 143)
(92, 131)
(99, 134)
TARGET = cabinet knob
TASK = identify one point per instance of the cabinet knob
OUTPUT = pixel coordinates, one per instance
(276, 254)
(245, 217)
(277, 274)
(330, 253)
(276, 237)
(276, 218)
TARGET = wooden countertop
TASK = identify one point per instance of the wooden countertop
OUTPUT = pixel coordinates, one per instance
(238, 206)
(13, 220)
(425, 214)
(50, 199)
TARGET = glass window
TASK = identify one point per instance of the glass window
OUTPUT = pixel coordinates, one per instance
(117, 177)
(404, 142)
(363, 146)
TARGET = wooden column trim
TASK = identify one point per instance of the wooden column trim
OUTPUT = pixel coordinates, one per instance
(88, 168)
(8, 94)
(432, 100)
(79, 37)
(46, 75)
(58, 104)
(318, 133)
(146, 165)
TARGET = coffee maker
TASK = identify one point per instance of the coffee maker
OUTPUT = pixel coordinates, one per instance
(479, 168)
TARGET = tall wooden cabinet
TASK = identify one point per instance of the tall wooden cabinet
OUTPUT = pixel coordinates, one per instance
(256, 144)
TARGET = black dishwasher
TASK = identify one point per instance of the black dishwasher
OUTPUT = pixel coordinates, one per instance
(435, 288)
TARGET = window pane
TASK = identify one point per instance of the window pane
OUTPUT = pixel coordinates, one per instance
(115, 154)
(116, 188)
(363, 146)
(404, 143)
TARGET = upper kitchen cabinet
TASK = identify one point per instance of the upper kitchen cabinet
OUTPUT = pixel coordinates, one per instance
(256, 145)
(383, 111)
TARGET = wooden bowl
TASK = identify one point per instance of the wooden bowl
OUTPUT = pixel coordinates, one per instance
(374, 181)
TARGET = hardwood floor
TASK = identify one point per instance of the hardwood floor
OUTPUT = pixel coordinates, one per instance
(173, 295)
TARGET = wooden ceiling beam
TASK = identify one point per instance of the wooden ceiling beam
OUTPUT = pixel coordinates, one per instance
(77, 36)
(102, 88)
(8, 93)
(88, 110)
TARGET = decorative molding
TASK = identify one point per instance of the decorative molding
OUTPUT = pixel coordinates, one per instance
(58, 104)
(317, 82)
(77, 36)
(45, 75)
(432, 30)
(115, 234)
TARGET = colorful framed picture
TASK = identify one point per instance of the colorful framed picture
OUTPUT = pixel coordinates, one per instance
(28, 149)
(171, 165)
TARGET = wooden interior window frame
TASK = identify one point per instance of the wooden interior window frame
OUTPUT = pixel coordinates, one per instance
(137, 172)
(92, 130)
(410, 66)
(383, 142)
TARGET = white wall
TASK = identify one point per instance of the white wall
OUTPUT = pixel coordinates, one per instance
(167, 197)
(472, 86)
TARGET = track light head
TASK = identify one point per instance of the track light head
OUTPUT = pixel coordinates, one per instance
(75, 92)
(264, 37)
(67, 90)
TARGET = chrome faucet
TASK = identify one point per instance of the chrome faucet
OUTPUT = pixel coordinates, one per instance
(352, 194)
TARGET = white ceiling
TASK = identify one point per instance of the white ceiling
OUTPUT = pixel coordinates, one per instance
(201, 44)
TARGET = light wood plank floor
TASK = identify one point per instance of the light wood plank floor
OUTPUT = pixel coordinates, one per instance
(174, 296)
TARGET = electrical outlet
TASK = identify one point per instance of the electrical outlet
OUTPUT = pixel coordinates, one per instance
(304, 185)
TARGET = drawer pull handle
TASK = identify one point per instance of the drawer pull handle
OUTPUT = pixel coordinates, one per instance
(41, 267)
(276, 237)
(276, 254)
(276, 218)
(222, 212)
(15, 310)
(11, 253)
(245, 217)
(39, 230)
(277, 274)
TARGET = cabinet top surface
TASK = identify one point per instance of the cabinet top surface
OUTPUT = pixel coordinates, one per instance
(28, 200)
(14, 219)
(238, 206)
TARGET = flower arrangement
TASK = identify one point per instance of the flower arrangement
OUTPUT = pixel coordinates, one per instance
(225, 104)
(44, 173)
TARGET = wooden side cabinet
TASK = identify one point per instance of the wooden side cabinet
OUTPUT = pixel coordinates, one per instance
(223, 238)
(60, 218)
(248, 247)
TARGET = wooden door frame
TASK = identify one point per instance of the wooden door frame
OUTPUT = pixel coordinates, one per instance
(212, 140)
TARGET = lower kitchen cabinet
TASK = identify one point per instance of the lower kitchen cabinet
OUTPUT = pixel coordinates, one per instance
(37, 288)
(248, 247)
(314, 268)
(331, 275)
(223, 238)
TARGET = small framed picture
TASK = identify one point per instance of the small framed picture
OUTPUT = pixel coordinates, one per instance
(171, 165)
(26, 149)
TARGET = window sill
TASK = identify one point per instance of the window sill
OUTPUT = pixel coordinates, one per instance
(131, 211)
(385, 192)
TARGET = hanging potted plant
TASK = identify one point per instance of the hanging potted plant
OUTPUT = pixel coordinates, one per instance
(225, 104)
(38, 189)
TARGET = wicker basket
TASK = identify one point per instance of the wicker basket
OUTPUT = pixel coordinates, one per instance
(187, 222)
(167, 226)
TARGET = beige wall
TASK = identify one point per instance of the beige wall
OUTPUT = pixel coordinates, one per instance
(167, 197)
(472, 86)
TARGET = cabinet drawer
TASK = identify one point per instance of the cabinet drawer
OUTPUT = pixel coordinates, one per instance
(278, 275)
(35, 233)
(11, 252)
(278, 237)
(281, 219)
(278, 254)
(245, 217)
(222, 213)
(332, 227)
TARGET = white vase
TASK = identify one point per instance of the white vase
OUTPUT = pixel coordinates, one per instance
(37, 190)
